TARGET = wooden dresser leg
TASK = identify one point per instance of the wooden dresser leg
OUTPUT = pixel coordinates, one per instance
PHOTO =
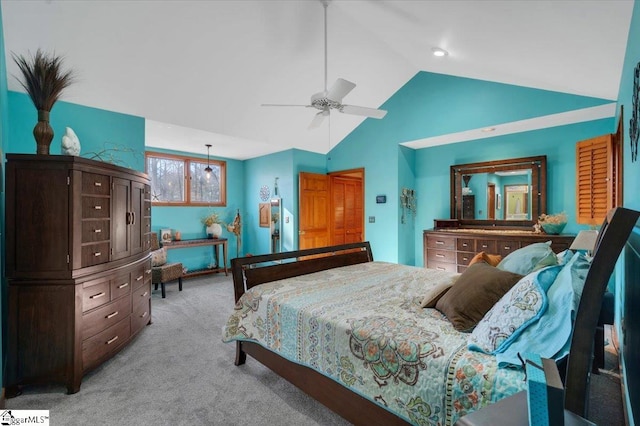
(241, 356)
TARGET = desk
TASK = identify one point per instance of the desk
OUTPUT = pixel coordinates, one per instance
(215, 242)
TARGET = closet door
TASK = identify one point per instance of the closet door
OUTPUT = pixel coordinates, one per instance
(347, 210)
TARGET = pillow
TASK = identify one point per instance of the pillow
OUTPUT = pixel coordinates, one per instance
(479, 287)
(491, 259)
(550, 335)
(159, 257)
(521, 306)
(529, 258)
(431, 298)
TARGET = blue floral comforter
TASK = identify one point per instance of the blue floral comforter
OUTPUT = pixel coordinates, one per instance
(363, 327)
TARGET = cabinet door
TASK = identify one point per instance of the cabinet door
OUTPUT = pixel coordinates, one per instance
(138, 223)
(121, 218)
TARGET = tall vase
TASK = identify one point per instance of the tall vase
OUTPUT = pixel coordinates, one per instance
(43, 133)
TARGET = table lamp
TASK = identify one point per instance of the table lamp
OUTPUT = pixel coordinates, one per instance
(585, 241)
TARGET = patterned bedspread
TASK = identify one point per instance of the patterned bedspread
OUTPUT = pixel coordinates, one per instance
(362, 326)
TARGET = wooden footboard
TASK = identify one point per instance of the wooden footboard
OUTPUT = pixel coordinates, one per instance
(339, 399)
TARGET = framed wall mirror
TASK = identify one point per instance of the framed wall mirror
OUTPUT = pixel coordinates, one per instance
(509, 193)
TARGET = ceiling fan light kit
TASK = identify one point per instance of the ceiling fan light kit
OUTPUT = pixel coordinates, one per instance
(330, 99)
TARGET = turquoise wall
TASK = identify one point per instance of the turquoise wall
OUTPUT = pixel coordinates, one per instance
(631, 170)
(4, 122)
(187, 219)
(434, 104)
(97, 130)
(262, 171)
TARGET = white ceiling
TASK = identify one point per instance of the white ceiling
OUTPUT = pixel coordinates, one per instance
(199, 70)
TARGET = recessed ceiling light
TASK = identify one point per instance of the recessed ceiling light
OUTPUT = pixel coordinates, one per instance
(439, 52)
(488, 129)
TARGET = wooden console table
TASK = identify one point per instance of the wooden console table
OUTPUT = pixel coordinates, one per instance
(215, 242)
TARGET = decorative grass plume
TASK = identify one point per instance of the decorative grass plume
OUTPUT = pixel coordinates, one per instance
(43, 78)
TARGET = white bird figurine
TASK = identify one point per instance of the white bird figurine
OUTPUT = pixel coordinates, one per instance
(70, 143)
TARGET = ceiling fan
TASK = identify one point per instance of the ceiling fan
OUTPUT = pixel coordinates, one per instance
(330, 99)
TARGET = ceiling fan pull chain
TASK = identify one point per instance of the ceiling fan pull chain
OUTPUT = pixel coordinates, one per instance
(325, 4)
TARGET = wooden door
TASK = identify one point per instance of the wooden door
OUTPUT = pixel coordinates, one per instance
(120, 219)
(314, 203)
(491, 201)
(347, 210)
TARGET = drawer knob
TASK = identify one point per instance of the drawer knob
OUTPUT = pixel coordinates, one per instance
(97, 254)
(97, 183)
(97, 207)
(111, 315)
(113, 339)
(98, 296)
(97, 231)
(123, 285)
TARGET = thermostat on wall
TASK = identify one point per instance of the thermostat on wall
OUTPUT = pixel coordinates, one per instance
(381, 199)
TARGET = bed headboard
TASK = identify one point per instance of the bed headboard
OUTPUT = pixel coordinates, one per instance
(612, 238)
(630, 340)
(253, 270)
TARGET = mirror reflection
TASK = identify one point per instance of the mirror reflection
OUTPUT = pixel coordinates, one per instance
(276, 225)
(504, 190)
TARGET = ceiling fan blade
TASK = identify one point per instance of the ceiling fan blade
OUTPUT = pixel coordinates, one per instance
(340, 89)
(285, 105)
(367, 112)
(318, 119)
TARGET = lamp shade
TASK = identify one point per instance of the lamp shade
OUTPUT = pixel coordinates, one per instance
(585, 240)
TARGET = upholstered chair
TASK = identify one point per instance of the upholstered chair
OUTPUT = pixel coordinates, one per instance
(161, 271)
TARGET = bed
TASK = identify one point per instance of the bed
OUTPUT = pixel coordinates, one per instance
(351, 333)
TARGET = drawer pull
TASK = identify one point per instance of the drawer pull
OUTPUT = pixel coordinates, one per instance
(464, 244)
(507, 248)
(97, 183)
(439, 255)
(123, 285)
(98, 296)
(112, 315)
(440, 242)
(148, 271)
(97, 254)
(139, 278)
(465, 258)
(439, 268)
(144, 315)
(145, 293)
(97, 231)
(484, 246)
(113, 339)
(98, 207)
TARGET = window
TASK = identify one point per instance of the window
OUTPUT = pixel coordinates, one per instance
(178, 180)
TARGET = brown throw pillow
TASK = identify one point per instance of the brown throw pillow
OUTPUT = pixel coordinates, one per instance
(474, 293)
(431, 298)
(491, 259)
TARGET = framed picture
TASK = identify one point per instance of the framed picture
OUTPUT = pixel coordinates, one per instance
(165, 235)
(264, 215)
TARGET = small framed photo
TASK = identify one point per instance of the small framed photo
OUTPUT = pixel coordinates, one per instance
(165, 235)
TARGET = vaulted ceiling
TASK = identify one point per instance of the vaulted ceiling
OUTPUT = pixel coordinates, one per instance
(198, 71)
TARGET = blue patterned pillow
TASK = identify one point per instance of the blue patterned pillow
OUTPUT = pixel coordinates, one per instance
(519, 307)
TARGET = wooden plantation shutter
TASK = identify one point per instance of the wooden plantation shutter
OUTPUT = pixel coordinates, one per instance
(597, 179)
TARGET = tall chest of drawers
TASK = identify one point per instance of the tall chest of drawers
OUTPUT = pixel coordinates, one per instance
(78, 265)
(453, 250)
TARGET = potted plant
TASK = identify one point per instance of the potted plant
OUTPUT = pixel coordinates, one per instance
(213, 225)
(44, 80)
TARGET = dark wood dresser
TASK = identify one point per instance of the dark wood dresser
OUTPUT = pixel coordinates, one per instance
(452, 250)
(77, 263)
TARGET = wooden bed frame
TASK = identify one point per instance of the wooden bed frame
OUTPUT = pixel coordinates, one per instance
(251, 271)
